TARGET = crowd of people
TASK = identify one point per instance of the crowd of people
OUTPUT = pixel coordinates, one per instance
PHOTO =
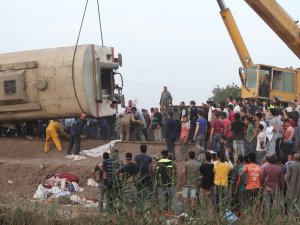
(94, 128)
(250, 148)
(135, 181)
(214, 183)
(244, 126)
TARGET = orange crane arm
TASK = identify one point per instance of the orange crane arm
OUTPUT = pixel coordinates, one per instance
(279, 21)
(235, 35)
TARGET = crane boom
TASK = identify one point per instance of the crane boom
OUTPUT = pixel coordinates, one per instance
(235, 35)
(279, 21)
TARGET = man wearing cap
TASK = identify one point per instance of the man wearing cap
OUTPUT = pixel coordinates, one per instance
(76, 131)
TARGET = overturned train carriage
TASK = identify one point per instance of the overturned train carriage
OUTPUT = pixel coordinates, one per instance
(52, 83)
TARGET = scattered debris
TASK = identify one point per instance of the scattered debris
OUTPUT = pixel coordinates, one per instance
(83, 201)
(41, 192)
(10, 182)
(61, 194)
(91, 182)
(76, 157)
(57, 185)
(43, 166)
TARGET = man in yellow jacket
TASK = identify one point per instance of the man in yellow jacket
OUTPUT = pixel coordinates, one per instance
(51, 132)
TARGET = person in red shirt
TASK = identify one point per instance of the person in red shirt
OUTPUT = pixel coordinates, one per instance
(231, 112)
(253, 184)
(287, 145)
(227, 127)
(216, 131)
(272, 181)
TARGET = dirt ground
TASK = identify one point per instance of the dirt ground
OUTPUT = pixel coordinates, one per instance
(24, 163)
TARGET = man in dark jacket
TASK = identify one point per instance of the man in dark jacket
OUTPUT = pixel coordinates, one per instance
(76, 130)
(171, 131)
(165, 175)
(193, 118)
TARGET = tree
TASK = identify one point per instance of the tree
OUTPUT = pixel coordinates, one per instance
(221, 93)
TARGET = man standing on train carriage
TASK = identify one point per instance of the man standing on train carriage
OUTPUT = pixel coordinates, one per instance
(76, 131)
(165, 98)
(52, 132)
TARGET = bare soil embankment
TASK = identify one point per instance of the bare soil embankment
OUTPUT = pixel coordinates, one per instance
(24, 163)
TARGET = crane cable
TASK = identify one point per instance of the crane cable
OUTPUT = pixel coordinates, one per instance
(100, 24)
(76, 45)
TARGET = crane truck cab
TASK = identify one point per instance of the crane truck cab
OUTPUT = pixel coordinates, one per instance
(259, 80)
(264, 81)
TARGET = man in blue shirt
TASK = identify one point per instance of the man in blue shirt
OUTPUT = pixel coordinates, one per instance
(201, 129)
(139, 124)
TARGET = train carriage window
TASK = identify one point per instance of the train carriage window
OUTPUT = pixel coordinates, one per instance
(10, 87)
(283, 81)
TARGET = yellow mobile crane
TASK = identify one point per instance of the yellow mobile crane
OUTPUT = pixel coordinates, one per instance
(260, 80)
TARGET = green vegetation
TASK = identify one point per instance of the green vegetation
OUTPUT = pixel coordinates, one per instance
(221, 93)
(37, 213)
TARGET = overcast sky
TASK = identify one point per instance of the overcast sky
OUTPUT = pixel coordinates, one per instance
(181, 44)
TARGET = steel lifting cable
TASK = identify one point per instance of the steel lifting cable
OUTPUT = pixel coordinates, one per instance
(76, 96)
(100, 24)
(75, 50)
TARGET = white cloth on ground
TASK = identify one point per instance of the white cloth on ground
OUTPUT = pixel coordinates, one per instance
(96, 152)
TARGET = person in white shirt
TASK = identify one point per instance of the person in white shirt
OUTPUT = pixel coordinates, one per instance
(236, 108)
(183, 111)
(260, 144)
(210, 110)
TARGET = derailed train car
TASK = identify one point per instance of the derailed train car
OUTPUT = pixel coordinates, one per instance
(57, 83)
